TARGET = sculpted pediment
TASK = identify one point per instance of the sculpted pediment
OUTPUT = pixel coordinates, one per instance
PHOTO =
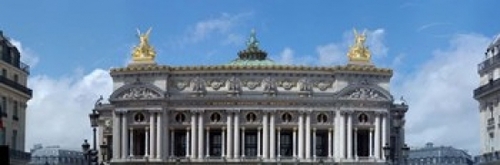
(137, 91)
(365, 93)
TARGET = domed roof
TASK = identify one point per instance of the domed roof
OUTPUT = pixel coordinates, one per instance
(253, 55)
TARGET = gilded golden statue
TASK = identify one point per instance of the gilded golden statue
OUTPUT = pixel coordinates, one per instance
(359, 52)
(143, 52)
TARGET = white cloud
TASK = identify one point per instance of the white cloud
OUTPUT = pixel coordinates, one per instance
(221, 26)
(287, 57)
(58, 112)
(336, 52)
(27, 55)
(442, 109)
(333, 53)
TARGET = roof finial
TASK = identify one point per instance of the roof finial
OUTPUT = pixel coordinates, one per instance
(252, 42)
(143, 52)
(359, 51)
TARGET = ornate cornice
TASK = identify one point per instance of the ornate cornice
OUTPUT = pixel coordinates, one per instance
(361, 69)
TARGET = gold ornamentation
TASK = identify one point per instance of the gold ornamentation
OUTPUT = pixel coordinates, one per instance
(359, 52)
(143, 52)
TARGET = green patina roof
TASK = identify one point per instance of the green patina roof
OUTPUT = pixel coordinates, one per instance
(241, 62)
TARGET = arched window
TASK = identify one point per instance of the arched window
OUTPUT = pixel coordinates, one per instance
(139, 117)
(286, 117)
(322, 118)
(180, 117)
(251, 117)
(215, 117)
(363, 118)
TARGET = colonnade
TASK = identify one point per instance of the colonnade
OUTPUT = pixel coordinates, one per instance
(341, 133)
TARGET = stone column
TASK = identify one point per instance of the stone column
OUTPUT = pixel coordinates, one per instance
(294, 142)
(152, 134)
(301, 136)
(355, 143)
(236, 135)
(272, 137)
(193, 135)
(308, 135)
(377, 136)
(131, 142)
(330, 143)
(243, 142)
(259, 144)
(207, 143)
(200, 135)
(336, 138)
(188, 142)
(342, 135)
(223, 142)
(229, 134)
(172, 142)
(165, 136)
(159, 136)
(314, 143)
(124, 136)
(116, 136)
(384, 133)
(146, 150)
(371, 142)
(265, 137)
(349, 136)
(279, 142)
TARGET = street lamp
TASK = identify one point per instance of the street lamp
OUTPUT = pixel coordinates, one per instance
(390, 156)
(94, 117)
(86, 149)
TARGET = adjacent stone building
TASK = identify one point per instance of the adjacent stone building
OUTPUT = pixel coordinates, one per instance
(250, 110)
(438, 155)
(14, 94)
(54, 155)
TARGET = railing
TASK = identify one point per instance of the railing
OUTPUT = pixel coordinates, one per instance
(24, 67)
(487, 87)
(15, 85)
(19, 155)
(488, 62)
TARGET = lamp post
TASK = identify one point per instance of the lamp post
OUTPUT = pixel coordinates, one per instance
(390, 154)
(86, 149)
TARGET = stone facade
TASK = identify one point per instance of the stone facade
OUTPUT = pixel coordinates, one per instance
(438, 155)
(13, 97)
(488, 96)
(250, 110)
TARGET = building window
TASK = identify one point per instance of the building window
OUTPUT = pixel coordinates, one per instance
(363, 118)
(251, 117)
(139, 117)
(180, 143)
(251, 143)
(322, 118)
(286, 145)
(180, 117)
(286, 117)
(215, 117)
(321, 143)
(4, 104)
(215, 143)
(4, 72)
(15, 107)
(14, 139)
(16, 78)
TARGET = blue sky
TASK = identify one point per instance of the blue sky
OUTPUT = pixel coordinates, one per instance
(72, 43)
